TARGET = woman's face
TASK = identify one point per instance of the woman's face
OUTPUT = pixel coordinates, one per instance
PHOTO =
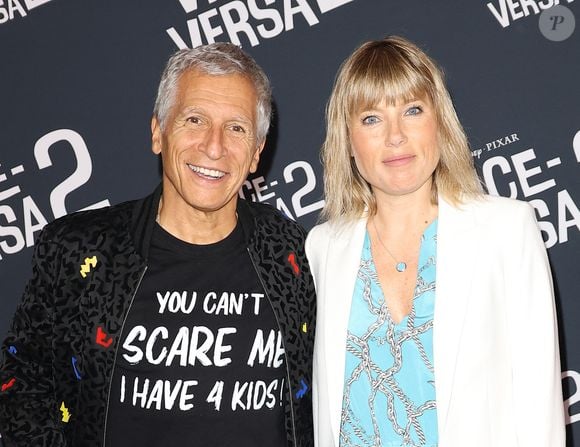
(395, 147)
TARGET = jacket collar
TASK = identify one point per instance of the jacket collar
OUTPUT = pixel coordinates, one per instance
(145, 214)
(457, 247)
(143, 221)
(246, 217)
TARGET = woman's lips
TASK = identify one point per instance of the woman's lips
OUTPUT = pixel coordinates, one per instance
(399, 160)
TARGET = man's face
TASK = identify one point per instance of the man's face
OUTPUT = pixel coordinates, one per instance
(209, 145)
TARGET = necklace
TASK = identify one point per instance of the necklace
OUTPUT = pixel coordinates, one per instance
(400, 266)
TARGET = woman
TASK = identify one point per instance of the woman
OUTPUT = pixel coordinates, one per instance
(436, 322)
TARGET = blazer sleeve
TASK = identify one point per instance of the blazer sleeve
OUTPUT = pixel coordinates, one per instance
(533, 337)
(29, 414)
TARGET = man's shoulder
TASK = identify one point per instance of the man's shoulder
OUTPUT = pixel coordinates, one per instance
(83, 224)
(274, 222)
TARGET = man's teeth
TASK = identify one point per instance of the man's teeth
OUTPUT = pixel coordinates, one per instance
(207, 172)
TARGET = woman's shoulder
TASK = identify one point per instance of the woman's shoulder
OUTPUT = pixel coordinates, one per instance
(507, 216)
(336, 229)
(490, 206)
(333, 235)
(320, 231)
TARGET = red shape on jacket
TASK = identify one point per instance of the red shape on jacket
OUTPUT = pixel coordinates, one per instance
(102, 338)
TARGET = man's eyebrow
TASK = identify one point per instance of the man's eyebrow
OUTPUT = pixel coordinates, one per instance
(189, 109)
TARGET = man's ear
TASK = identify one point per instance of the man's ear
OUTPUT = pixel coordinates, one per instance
(156, 136)
(256, 157)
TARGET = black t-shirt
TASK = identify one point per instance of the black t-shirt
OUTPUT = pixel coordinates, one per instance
(201, 359)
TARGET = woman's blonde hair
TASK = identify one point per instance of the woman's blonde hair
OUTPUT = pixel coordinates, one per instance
(392, 69)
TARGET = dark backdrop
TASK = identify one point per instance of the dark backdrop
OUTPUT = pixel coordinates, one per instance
(78, 80)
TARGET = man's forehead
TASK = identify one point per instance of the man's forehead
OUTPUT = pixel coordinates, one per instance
(234, 88)
(194, 77)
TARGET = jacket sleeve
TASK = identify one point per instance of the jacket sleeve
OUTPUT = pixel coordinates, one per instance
(539, 409)
(29, 414)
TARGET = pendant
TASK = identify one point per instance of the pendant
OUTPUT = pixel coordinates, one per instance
(401, 267)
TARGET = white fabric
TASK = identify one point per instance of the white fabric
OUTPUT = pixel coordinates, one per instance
(497, 366)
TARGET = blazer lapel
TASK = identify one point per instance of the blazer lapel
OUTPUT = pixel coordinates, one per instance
(457, 248)
(341, 271)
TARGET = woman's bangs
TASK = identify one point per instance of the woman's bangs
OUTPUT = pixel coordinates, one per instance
(380, 82)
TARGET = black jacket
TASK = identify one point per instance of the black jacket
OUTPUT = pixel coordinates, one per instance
(59, 355)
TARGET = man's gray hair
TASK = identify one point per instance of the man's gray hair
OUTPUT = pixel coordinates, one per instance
(220, 58)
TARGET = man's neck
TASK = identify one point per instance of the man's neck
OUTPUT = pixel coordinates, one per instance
(196, 226)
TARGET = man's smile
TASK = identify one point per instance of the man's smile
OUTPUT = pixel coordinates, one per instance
(205, 172)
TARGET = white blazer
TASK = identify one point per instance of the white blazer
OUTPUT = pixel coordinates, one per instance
(496, 358)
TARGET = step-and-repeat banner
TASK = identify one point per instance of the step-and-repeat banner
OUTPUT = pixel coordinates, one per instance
(78, 79)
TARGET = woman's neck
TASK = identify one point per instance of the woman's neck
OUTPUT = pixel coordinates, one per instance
(405, 213)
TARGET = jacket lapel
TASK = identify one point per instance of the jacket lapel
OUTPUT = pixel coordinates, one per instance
(457, 248)
(341, 270)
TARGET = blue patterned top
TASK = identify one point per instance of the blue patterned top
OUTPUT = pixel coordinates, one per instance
(389, 386)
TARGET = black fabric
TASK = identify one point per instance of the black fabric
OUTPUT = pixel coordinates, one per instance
(182, 375)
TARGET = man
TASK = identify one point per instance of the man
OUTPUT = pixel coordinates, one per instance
(186, 318)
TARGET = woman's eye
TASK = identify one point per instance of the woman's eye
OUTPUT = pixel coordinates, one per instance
(415, 110)
(371, 119)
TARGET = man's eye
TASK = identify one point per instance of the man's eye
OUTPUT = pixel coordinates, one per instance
(238, 128)
(371, 119)
(193, 120)
(415, 110)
